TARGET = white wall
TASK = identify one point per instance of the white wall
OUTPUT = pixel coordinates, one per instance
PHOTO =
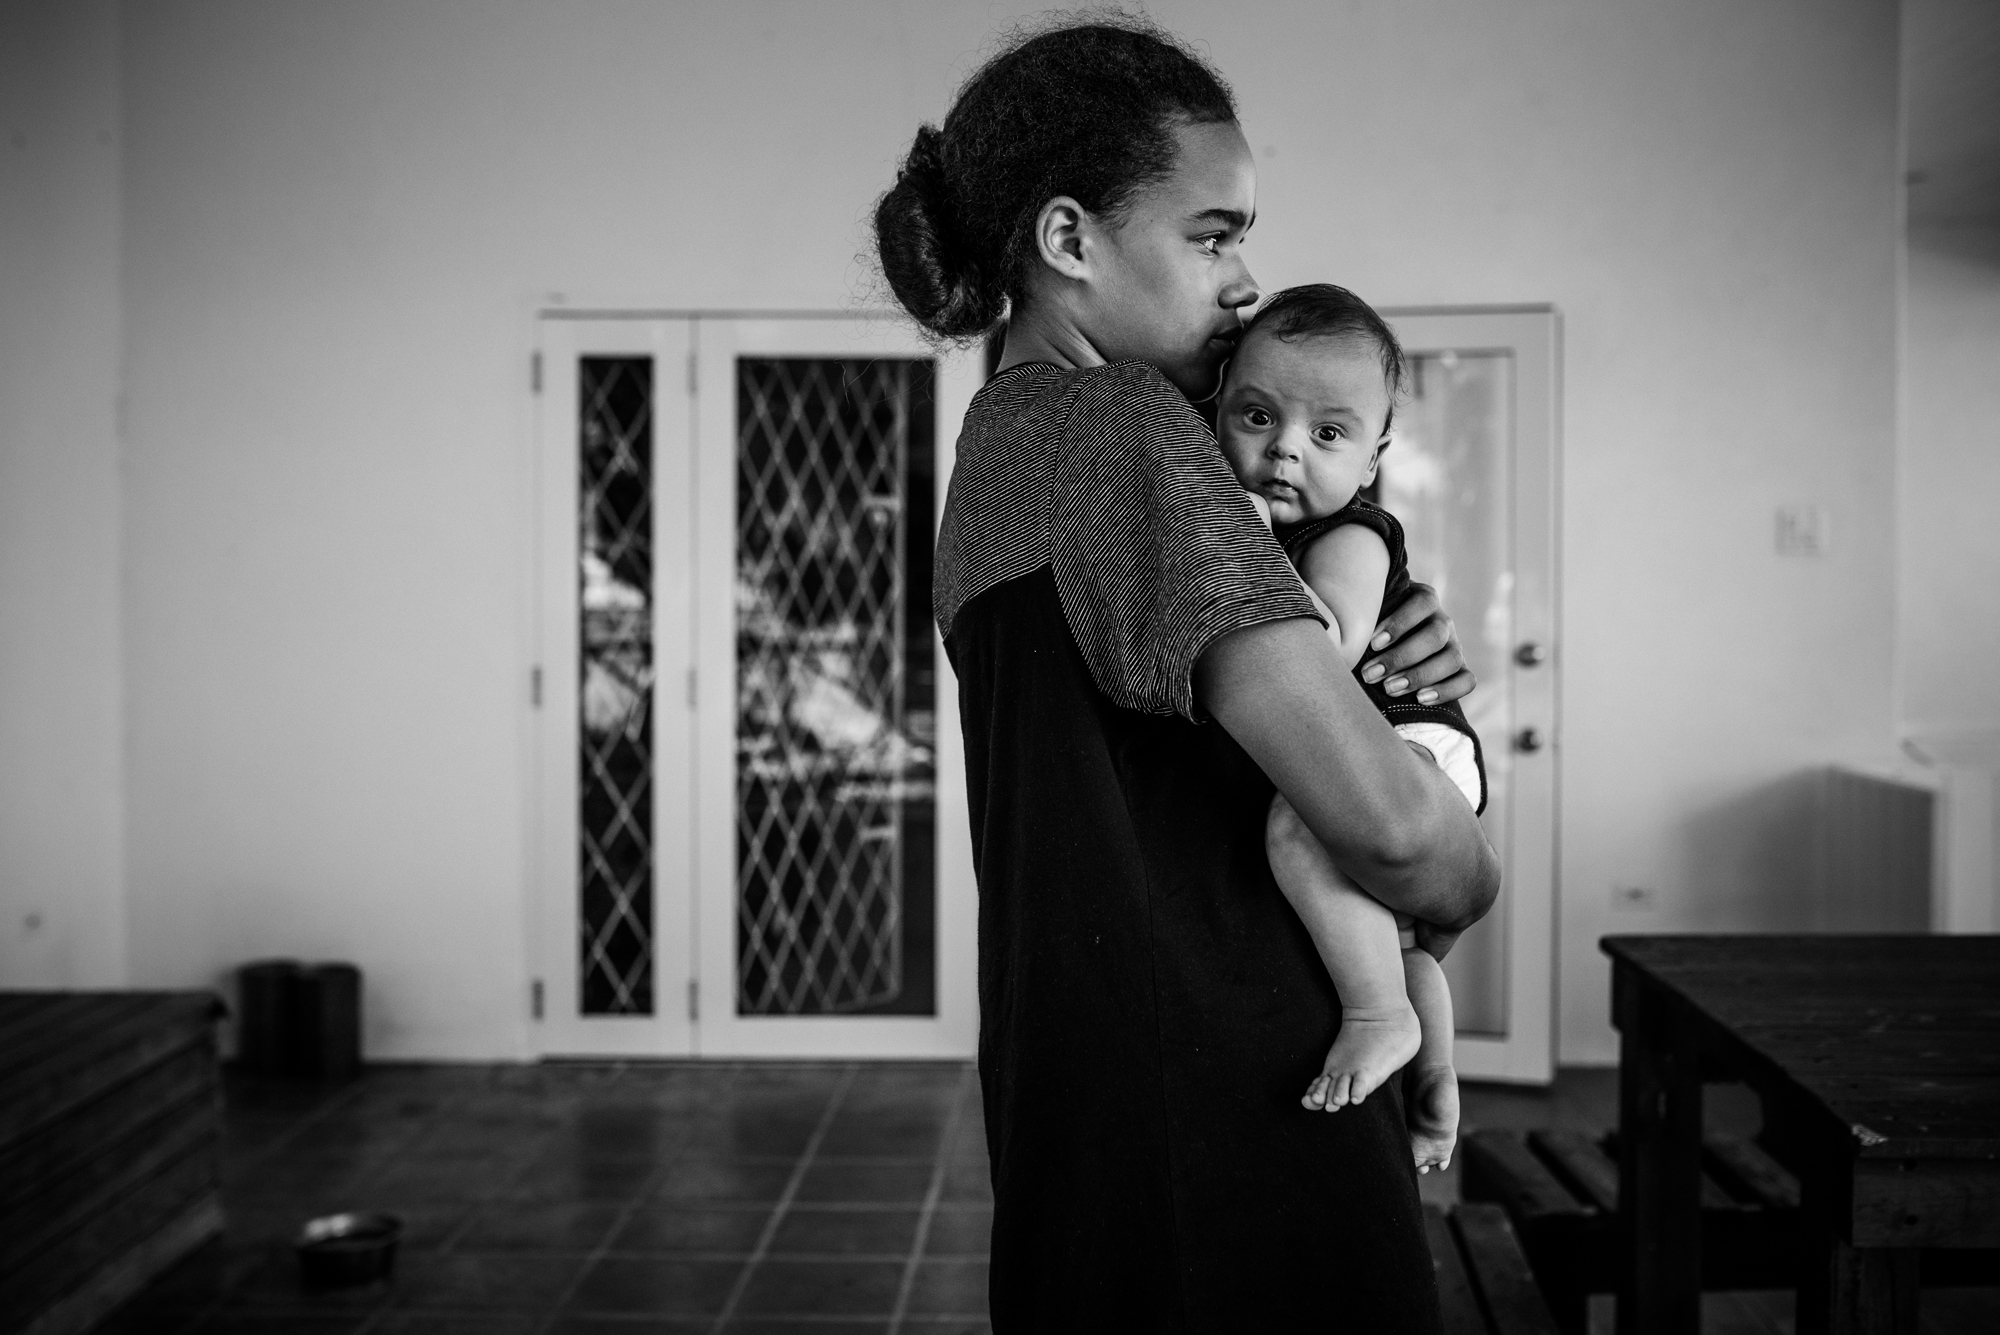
(1950, 569)
(339, 219)
(62, 910)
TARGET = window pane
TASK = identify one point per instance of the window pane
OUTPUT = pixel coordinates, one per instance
(835, 729)
(615, 680)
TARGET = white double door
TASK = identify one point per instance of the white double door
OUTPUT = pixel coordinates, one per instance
(750, 833)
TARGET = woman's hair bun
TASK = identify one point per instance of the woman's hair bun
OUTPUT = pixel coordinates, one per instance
(939, 283)
(1084, 110)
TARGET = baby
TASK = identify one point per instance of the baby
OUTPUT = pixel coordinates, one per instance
(1303, 417)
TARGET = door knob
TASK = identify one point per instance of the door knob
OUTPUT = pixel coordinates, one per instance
(1528, 740)
(1531, 653)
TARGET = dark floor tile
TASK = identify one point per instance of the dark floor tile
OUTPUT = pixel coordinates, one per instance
(703, 1179)
(557, 1177)
(454, 1323)
(659, 1286)
(805, 1230)
(691, 1228)
(898, 1115)
(968, 1180)
(894, 1184)
(278, 1284)
(954, 1287)
(604, 1325)
(278, 1323)
(919, 1325)
(960, 1231)
(817, 1326)
(485, 1281)
(538, 1226)
(821, 1288)
(432, 1181)
(145, 1318)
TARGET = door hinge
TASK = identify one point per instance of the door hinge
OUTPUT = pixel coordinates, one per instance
(694, 1000)
(694, 379)
(535, 998)
(690, 688)
(535, 373)
(535, 686)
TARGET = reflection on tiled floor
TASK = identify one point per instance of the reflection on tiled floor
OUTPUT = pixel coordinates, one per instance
(670, 1198)
(607, 1198)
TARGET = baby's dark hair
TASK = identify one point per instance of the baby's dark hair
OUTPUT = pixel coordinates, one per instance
(1085, 110)
(1322, 310)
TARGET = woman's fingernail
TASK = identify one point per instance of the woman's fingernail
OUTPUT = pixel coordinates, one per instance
(1373, 672)
(1426, 696)
(1397, 685)
(1380, 641)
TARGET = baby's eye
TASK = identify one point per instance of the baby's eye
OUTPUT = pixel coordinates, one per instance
(1327, 435)
(1256, 417)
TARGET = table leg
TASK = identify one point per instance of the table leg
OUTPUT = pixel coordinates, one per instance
(1846, 1290)
(1659, 1171)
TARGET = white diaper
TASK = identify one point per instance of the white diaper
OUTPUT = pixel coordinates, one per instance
(1454, 752)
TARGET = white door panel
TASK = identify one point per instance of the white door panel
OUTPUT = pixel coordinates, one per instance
(1471, 474)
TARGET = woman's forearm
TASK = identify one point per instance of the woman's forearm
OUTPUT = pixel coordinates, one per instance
(1398, 826)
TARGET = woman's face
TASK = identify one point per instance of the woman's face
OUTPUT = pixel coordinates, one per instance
(1172, 277)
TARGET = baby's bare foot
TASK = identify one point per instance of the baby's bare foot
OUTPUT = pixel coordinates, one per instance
(1431, 1103)
(1373, 1044)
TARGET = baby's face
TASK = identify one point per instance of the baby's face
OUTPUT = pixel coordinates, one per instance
(1301, 422)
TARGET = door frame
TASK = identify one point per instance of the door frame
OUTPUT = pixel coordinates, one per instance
(560, 1029)
(694, 398)
(1532, 334)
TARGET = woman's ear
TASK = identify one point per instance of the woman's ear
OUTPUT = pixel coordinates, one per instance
(1059, 229)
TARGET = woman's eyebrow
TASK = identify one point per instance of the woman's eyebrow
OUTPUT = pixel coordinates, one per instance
(1235, 219)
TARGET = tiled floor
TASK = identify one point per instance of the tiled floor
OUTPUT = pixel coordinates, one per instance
(621, 1199)
(599, 1198)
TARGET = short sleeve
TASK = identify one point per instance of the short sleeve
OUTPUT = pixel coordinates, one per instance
(1155, 548)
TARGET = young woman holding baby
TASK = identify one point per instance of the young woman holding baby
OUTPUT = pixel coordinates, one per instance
(1140, 670)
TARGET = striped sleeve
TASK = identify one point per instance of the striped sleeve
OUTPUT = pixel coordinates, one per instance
(1155, 549)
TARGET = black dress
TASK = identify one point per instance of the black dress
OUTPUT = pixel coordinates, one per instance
(1150, 1007)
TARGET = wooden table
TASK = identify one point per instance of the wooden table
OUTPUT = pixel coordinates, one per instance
(1878, 1061)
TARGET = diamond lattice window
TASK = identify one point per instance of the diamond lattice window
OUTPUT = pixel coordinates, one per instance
(615, 678)
(835, 723)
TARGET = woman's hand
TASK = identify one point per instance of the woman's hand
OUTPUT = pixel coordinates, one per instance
(1416, 648)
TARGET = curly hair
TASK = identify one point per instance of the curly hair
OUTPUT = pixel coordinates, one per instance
(1086, 110)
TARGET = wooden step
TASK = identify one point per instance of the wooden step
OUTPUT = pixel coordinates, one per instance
(1485, 1286)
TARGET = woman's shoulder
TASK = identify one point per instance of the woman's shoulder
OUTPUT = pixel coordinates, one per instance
(1133, 398)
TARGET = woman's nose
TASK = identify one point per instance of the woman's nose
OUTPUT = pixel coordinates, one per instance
(1239, 291)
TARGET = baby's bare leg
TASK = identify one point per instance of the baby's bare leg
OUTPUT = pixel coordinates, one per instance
(1356, 939)
(1430, 1086)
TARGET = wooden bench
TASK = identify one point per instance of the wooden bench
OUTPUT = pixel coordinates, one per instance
(1484, 1283)
(1560, 1190)
(110, 1148)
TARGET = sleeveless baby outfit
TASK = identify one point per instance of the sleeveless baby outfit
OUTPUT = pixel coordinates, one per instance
(1440, 728)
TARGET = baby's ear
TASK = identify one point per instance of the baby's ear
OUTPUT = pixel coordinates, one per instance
(1375, 459)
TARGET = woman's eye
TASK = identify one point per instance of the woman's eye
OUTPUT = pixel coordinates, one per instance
(1210, 245)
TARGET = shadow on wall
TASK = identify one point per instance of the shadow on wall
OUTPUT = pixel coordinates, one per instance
(1833, 849)
(1753, 860)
